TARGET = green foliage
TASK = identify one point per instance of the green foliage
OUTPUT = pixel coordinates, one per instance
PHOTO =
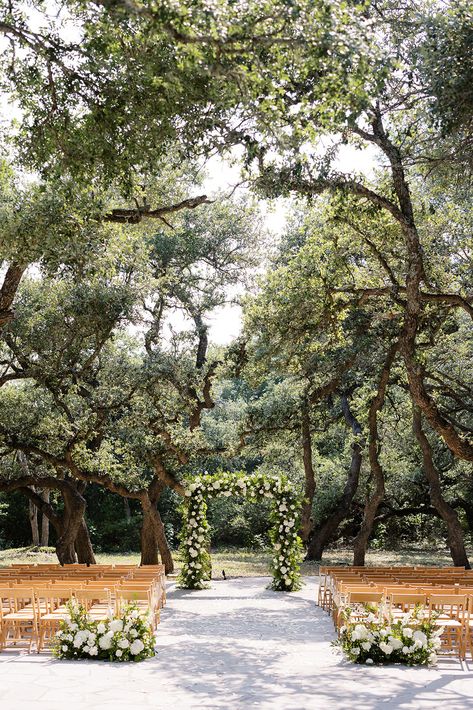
(125, 638)
(412, 640)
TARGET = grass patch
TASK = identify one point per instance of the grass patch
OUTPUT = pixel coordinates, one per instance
(240, 562)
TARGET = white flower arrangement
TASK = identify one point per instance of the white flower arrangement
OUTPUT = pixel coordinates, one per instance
(128, 638)
(411, 640)
(284, 518)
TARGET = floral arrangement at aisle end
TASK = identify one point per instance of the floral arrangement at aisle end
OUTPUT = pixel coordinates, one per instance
(287, 546)
(412, 639)
(128, 638)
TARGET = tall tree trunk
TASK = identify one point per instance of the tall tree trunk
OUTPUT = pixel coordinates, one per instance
(372, 504)
(126, 507)
(33, 518)
(32, 509)
(83, 545)
(149, 537)
(324, 533)
(45, 520)
(447, 513)
(11, 283)
(307, 523)
(164, 549)
(74, 509)
(153, 535)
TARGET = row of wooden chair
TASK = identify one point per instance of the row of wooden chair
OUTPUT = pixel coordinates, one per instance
(446, 595)
(33, 600)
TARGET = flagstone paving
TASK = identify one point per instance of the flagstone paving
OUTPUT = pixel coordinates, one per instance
(235, 646)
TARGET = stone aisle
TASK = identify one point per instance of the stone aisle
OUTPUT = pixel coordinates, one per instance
(233, 647)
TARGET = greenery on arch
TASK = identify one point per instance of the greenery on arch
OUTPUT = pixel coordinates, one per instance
(287, 546)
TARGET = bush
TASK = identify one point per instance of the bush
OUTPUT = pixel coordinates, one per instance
(412, 640)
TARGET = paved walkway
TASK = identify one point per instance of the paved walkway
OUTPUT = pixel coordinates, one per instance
(234, 647)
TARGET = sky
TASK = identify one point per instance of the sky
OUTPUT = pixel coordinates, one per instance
(225, 322)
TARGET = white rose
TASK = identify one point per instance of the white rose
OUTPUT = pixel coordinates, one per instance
(133, 633)
(216, 484)
(136, 647)
(135, 614)
(101, 628)
(406, 649)
(93, 651)
(408, 633)
(355, 651)
(193, 552)
(64, 648)
(118, 653)
(369, 661)
(366, 646)
(283, 570)
(123, 643)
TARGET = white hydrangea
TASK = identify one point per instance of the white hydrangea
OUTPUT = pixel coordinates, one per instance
(116, 625)
(386, 648)
(105, 641)
(420, 638)
(123, 643)
(366, 646)
(395, 643)
(359, 633)
(136, 647)
(408, 632)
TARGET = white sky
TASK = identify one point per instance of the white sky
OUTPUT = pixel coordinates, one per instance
(225, 323)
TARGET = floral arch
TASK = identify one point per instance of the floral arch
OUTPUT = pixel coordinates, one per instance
(287, 546)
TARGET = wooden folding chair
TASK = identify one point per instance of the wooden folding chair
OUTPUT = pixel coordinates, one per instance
(51, 606)
(148, 606)
(19, 617)
(400, 603)
(451, 613)
(97, 603)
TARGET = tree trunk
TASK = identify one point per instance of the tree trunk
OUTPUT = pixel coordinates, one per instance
(323, 534)
(11, 283)
(307, 522)
(33, 517)
(372, 504)
(45, 520)
(126, 506)
(149, 537)
(447, 513)
(153, 536)
(164, 550)
(74, 509)
(83, 545)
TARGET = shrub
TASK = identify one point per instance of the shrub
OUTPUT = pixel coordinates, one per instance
(128, 638)
(412, 640)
